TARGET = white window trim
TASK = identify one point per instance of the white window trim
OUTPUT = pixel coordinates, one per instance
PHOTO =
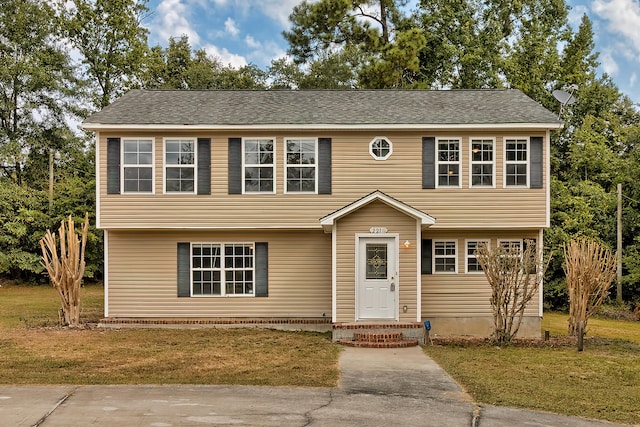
(519, 241)
(223, 287)
(371, 148)
(467, 256)
(459, 162)
(153, 163)
(286, 165)
(165, 165)
(505, 162)
(471, 162)
(273, 165)
(455, 257)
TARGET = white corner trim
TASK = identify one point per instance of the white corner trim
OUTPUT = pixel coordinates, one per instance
(98, 180)
(541, 285)
(105, 273)
(334, 275)
(418, 272)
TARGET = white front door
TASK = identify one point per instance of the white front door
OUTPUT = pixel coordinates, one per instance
(377, 278)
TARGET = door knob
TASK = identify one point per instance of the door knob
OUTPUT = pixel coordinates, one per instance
(392, 287)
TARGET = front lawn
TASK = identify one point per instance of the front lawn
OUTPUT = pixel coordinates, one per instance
(601, 382)
(35, 351)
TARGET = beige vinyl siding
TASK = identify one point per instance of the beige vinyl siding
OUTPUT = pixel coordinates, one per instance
(465, 294)
(375, 214)
(143, 276)
(355, 174)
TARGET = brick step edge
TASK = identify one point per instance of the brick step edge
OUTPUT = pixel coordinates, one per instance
(391, 344)
(378, 336)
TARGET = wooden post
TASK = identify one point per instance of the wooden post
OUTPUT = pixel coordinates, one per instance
(619, 248)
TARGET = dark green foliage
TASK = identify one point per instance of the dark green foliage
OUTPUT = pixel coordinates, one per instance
(178, 67)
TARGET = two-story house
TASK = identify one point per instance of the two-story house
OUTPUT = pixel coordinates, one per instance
(309, 209)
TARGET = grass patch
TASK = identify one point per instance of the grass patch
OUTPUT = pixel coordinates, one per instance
(35, 351)
(557, 324)
(600, 382)
(37, 306)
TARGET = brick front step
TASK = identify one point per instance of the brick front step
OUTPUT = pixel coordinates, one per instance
(378, 336)
(379, 340)
(392, 344)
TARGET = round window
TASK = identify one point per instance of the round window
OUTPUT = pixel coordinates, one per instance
(380, 148)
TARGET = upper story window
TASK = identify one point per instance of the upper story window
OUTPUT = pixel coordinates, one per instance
(137, 165)
(448, 162)
(258, 165)
(445, 256)
(516, 163)
(473, 266)
(222, 269)
(180, 165)
(301, 165)
(482, 163)
(380, 148)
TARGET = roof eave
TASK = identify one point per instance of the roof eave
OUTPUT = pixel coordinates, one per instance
(319, 126)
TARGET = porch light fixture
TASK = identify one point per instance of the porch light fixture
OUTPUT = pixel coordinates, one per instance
(407, 244)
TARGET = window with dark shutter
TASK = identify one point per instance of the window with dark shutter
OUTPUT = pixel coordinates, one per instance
(184, 269)
(427, 249)
(235, 166)
(535, 180)
(324, 166)
(204, 165)
(428, 162)
(262, 269)
(113, 165)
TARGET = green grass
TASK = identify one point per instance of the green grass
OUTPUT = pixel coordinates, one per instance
(36, 306)
(35, 351)
(556, 323)
(601, 382)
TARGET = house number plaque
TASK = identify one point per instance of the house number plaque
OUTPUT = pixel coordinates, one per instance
(378, 230)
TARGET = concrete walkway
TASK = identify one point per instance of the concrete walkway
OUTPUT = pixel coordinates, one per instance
(379, 387)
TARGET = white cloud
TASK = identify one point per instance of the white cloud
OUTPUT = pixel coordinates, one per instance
(225, 56)
(263, 52)
(622, 17)
(277, 10)
(609, 64)
(575, 15)
(632, 79)
(173, 19)
(231, 27)
(251, 42)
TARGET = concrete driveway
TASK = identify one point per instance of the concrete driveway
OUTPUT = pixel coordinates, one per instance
(379, 387)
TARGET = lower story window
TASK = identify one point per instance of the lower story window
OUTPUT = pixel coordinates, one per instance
(473, 266)
(444, 255)
(222, 269)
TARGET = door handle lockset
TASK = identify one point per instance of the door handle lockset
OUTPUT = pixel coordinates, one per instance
(392, 287)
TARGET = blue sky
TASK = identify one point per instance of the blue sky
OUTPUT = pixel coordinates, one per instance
(240, 32)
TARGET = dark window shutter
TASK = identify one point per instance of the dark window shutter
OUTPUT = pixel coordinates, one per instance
(113, 165)
(235, 166)
(204, 165)
(324, 166)
(427, 248)
(428, 162)
(262, 269)
(530, 242)
(184, 273)
(535, 151)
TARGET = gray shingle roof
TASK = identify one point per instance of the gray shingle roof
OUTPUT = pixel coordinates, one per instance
(314, 107)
